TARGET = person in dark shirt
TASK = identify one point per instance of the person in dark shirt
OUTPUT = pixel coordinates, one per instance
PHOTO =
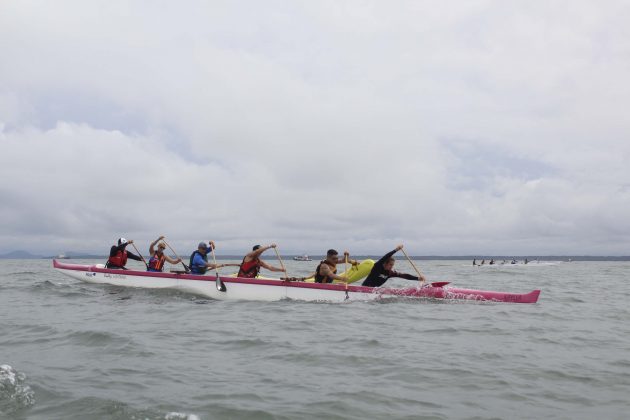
(384, 269)
(118, 255)
(326, 271)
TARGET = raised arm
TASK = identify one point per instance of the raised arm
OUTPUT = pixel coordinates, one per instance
(387, 256)
(341, 260)
(270, 267)
(133, 256)
(153, 244)
(257, 253)
(171, 260)
(123, 247)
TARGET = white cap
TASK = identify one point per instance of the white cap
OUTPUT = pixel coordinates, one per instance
(122, 241)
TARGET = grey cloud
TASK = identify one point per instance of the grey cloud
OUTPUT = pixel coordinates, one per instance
(315, 123)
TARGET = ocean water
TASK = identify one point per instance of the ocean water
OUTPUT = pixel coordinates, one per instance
(70, 350)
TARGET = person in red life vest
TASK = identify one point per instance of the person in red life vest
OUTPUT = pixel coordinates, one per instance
(326, 271)
(118, 255)
(250, 267)
(156, 262)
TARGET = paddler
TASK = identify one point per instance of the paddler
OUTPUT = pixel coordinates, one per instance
(384, 269)
(118, 255)
(250, 267)
(326, 271)
(156, 262)
(199, 259)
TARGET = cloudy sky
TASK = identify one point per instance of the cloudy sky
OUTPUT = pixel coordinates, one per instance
(456, 128)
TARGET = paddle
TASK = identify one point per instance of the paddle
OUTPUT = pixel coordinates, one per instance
(286, 276)
(440, 283)
(143, 260)
(345, 268)
(178, 257)
(220, 285)
(420, 276)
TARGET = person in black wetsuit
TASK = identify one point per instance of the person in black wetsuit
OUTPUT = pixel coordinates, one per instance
(118, 255)
(384, 269)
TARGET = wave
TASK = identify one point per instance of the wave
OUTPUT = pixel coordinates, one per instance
(99, 408)
(15, 395)
(17, 273)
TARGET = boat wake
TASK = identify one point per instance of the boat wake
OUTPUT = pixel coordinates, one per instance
(15, 395)
(453, 299)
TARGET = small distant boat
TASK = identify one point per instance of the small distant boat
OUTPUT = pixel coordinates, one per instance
(302, 258)
(62, 257)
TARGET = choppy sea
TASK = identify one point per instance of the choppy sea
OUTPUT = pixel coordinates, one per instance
(70, 350)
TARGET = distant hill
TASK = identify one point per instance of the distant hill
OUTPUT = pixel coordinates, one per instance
(20, 255)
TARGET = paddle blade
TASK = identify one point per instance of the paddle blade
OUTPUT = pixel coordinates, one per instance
(220, 285)
(440, 283)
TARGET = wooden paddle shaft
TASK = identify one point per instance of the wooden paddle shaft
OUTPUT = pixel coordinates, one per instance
(173, 251)
(216, 267)
(220, 285)
(345, 268)
(281, 263)
(412, 264)
(143, 260)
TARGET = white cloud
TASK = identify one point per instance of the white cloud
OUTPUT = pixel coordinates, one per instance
(490, 127)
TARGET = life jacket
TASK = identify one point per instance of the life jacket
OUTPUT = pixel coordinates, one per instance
(156, 262)
(118, 260)
(320, 278)
(198, 269)
(249, 270)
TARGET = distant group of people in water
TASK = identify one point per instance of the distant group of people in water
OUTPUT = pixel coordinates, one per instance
(492, 262)
(198, 264)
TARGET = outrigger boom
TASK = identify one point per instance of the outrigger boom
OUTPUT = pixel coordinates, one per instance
(273, 290)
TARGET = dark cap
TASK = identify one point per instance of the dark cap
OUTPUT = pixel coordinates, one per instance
(331, 252)
(255, 247)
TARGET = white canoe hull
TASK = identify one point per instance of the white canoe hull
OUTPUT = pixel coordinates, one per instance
(237, 289)
(273, 290)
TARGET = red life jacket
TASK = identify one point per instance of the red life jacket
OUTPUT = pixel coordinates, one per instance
(156, 262)
(118, 260)
(249, 270)
(320, 278)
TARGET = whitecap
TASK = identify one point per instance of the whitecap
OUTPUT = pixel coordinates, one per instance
(180, 416)
(14, 393)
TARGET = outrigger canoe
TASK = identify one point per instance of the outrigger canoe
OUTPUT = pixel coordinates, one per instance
(272, 290)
